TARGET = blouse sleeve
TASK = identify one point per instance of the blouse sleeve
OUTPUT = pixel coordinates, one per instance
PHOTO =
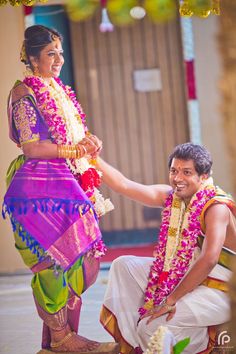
(26, 119)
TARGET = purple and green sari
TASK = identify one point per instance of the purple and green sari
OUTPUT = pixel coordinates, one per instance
(54, 223)
(47, 207)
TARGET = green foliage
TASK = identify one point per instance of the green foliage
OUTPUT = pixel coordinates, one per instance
(181, 345)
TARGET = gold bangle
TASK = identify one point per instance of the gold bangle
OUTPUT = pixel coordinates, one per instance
(67, 151)
(79, 155)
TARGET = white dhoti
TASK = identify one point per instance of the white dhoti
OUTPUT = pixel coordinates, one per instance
(195, 312)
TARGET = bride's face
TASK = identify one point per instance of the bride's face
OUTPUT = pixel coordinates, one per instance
(50, 60)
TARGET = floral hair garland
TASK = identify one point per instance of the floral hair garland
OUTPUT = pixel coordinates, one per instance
(62, 130)
(177, 240)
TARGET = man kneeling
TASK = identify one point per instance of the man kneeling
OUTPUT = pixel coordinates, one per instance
(184, 286)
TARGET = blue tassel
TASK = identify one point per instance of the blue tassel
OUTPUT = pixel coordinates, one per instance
(67, 208)
(35, 208)
(58, 207)
(42, 207)
(3, 214)
(13, 225)
(11, 208)
(64, 280)
(41, 258)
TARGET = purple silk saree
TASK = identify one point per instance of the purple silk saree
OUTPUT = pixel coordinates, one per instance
(46, 204)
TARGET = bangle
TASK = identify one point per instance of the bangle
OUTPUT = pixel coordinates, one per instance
(67, 151)
(83, 152)
(170, 308)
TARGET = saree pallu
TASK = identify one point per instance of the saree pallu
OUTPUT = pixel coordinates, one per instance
(50, 212)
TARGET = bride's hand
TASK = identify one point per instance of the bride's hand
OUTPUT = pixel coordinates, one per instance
(91, 144)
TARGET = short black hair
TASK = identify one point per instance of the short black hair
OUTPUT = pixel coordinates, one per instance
(199, 154)
(36, 38)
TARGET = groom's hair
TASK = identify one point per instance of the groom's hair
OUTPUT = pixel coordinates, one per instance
(199, 154)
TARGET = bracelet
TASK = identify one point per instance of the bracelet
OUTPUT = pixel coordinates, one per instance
(170, 308)
(67, 151)
(84, 152)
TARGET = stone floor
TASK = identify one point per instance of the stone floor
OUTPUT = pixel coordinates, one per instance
(20, 327)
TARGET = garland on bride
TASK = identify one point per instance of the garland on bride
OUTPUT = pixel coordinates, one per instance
(66, 121)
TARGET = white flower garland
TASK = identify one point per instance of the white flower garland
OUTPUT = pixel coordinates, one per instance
(66, 109)
(75, 133)
(161, 342)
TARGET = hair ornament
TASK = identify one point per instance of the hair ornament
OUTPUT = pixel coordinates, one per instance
(23, 56)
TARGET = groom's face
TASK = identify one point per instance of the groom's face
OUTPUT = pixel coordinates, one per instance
(184, 179)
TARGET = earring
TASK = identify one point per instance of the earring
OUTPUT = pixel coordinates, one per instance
(28, 71)
(36, 71)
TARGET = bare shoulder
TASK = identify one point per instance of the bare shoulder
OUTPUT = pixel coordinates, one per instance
(217, 213)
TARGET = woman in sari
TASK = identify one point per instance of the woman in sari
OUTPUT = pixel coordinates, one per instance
(52, 197)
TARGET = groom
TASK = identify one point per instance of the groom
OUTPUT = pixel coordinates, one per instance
(184, 287)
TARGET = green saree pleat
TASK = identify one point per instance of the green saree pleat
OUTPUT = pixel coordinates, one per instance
(52, 291)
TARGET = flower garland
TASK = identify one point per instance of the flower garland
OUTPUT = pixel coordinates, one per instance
(66, 121)
(162, 341)
(177, 240)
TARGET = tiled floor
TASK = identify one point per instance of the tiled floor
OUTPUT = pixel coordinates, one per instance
(20, 327)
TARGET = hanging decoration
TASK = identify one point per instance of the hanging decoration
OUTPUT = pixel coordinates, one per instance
(21, 2)
(199, 8)
(105, 25)
(138, 12)
(160, 10)
(120, 11)
(189, 61)
(79, 10)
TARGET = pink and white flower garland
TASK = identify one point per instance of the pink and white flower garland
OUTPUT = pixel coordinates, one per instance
(86, 175)
(49, 109)
(161, 283)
